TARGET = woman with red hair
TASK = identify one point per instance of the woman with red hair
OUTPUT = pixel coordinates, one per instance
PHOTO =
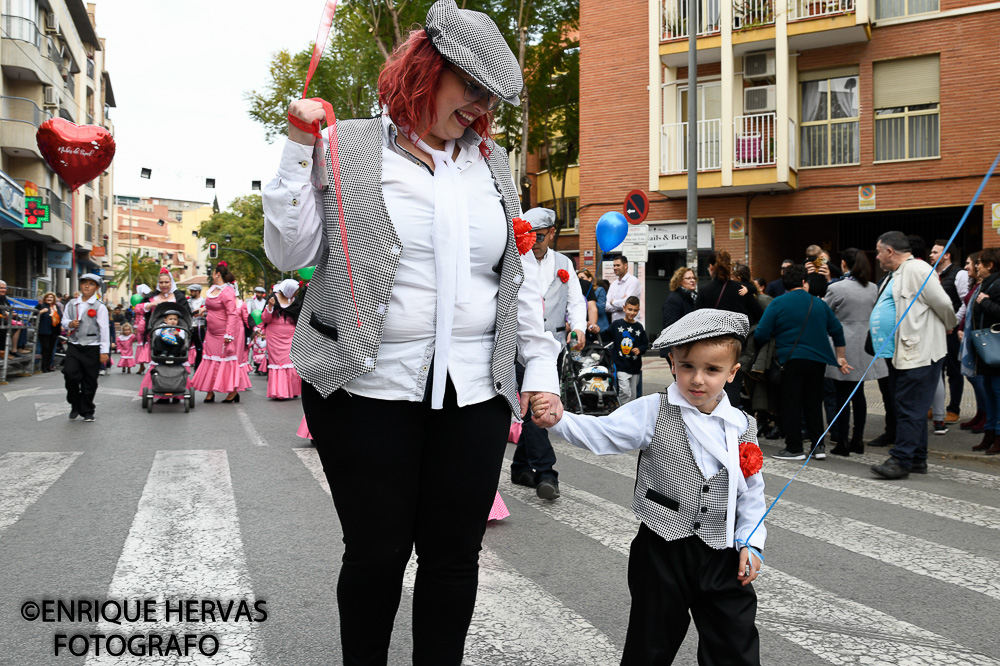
(408, 334)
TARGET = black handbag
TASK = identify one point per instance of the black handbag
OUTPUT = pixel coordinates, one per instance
(776, 371)
(986, 342)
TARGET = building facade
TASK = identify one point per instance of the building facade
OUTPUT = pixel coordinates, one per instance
(53, 64)
(820, 122)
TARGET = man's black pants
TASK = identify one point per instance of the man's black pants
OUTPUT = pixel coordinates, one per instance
(81, 368)
(534, 449)
(953, 369)
(404, 475)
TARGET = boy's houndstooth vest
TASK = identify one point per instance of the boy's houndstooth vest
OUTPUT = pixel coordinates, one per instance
(329, 348)
(672, 496)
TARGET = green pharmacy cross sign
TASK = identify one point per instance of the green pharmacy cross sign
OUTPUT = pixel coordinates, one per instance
(35, 212)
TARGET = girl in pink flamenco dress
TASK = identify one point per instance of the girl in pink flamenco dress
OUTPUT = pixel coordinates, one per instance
(142, 352)
(242, 349)
(220, 368)
(126, 348)
(279, 317)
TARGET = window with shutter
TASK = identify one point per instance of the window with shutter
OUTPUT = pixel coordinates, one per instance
(829, 115)
(907, 100)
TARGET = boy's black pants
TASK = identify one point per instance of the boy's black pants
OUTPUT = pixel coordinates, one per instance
(80, 369)
(667, 579)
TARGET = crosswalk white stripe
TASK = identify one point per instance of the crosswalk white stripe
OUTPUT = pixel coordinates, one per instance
(506, 630)
(837, 630)
(916, 555)
(248, 426)
(24, 477)
(185, 543)
(964, 476)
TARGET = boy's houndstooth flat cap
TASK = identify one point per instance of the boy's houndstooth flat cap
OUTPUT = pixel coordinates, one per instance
(472, 41)
(701, 324)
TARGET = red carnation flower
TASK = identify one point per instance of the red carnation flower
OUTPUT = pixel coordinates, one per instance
(91, 312)
(522, 235)
(563, 275)
(751, 459)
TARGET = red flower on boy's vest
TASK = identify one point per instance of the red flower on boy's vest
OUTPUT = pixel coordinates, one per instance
(91, 312)
(522, 235)
(751, 459)
(563, 275)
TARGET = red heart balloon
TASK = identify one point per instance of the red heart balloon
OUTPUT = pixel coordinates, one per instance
(78, 153)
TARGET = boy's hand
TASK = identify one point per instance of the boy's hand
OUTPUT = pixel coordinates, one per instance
(745, 556)
(635, 351)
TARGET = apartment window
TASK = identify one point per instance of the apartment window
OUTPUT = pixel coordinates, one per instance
(907, 109)
(885, 9)
(566, 211)
(830, 128)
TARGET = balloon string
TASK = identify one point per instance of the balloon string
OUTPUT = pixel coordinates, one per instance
(890, 336)
(322, 34)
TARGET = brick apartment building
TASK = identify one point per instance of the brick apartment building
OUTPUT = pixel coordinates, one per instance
(800, 104)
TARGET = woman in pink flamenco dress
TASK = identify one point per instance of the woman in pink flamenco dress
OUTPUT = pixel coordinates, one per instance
(279, 317)
(242, 349)
(220, 368)
(142, 354)
(126, 348)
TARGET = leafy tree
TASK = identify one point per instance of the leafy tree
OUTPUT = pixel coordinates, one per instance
(244, 223)
(144, 270)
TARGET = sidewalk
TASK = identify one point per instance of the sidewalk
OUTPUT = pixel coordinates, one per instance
(956, 444)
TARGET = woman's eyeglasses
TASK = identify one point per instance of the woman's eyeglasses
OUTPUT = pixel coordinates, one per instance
(475, 92)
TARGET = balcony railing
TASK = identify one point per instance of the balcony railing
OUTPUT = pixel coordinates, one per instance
(755, 140)
(22, 29)
(807, 9)
(23, 110)
(56, 206)
(674, 146)
(752, 13)
(674, 18)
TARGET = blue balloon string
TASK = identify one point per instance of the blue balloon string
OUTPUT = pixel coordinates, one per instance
(891, 336)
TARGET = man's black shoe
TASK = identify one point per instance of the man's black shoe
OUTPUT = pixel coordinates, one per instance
(548, 488)
(891, 469)
(73, 414)
(881, 441)
(919, 468)
(774, 433)
(785, 454)
(524, 479)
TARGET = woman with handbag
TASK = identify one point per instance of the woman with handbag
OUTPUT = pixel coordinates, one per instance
(48, 328)
(977, 424)
(802, 326)
(852, 299)
(985, 313)
(408, 333)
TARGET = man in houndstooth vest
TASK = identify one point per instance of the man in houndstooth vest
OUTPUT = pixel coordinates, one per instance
(565, 308)
(699, 494)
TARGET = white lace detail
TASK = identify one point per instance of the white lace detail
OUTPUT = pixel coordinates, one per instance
(220, 359)
(273, 366)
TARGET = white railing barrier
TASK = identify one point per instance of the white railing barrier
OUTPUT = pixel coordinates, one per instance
(674, 142)
(754, 143)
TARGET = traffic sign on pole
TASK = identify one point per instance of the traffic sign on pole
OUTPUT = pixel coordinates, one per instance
(636, 206)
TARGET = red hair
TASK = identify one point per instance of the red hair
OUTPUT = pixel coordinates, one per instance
(408, 85)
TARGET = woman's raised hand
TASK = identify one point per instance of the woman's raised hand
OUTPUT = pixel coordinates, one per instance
(308, 111)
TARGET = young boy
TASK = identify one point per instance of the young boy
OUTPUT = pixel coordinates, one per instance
(630, 341)
(88, 348)
(167, 340)
(697, 505)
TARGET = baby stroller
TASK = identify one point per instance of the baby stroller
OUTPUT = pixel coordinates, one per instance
(587, 381)
(169, 376)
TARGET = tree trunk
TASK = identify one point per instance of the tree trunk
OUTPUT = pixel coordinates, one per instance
(522, 161)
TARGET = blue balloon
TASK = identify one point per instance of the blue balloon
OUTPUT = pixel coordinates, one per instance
(611, 230)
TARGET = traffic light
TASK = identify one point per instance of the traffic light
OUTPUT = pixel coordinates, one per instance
(213, 250)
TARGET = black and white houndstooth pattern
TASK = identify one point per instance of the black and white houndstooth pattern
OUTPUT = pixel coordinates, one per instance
(329, 348)
(672, 496)
(701, 324)
(472, 41)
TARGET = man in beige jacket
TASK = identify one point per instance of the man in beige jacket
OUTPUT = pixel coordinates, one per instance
(917, 350)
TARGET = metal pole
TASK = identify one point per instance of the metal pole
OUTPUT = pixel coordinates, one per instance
(692, 161)
(130, 248)
(262, 268)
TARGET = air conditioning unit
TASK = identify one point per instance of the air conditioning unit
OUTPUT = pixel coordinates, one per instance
(758, 65)
(51, 97)
(759, 99)
(51, 24)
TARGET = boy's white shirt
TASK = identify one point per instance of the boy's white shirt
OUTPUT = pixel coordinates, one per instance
(714, 442)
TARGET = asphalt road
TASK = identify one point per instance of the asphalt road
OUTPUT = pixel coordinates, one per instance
(226, 503)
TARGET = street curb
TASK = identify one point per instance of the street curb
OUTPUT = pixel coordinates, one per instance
(989, 460)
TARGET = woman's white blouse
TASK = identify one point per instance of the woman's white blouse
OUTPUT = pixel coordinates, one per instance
(295, 238)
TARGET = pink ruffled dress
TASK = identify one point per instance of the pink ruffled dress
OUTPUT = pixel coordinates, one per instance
(303, 430)
(282, 379)
(499, 510)
(142, 351)
(220, 367)
(126, 350)
(242, 350)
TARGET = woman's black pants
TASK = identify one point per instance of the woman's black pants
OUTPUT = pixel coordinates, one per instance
(802, 395)
(859, 406)
(48, 341)
(402, 476)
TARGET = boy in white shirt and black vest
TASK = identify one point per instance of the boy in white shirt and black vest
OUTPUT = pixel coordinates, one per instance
(699, 494)
(89, 347)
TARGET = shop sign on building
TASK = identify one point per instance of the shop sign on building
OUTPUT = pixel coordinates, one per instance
(11, 201)
(671, 235)
(996, 216)
(866, 197)
(59, 259)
